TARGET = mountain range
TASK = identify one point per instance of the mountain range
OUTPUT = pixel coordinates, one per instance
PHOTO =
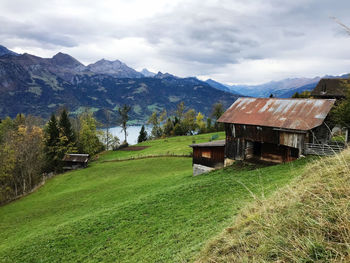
(39, 86)
(33, 85)
(285, 88)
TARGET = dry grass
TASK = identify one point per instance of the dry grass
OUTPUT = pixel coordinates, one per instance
(309, 221)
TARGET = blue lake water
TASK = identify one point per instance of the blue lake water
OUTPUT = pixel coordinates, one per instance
(132, 133)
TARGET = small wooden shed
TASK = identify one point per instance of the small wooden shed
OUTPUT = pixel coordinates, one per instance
(208, 156)
(331, 89)
(75, 161)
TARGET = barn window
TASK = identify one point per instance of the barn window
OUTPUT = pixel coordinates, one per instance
(206, 154)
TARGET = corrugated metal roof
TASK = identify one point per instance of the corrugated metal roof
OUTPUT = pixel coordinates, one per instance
(79, 158)
(218, 143)
(295, 114)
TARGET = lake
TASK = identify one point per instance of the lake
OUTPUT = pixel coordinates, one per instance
(132, 133)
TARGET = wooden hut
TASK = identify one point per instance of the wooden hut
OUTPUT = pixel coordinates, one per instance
(331, 89)
(75, 161)
(208, 156)
(275, 130)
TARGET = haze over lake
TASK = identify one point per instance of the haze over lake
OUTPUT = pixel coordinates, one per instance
(133, 133)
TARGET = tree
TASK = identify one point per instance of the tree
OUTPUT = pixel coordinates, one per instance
(218, 110)
(168, 127)
(124, 117)
(189, 122)
(88, 140)
(108, 135)
(143, 135)
(305, 94)
(209, 125)
(200, 123)
(340, 114)
(51, 139)
(296, 95)
(156, 129)
(65, 127)
(27, 143)
(180, 111)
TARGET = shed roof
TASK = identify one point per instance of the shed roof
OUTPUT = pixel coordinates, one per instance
(219, 143)
(331, 88)
(77, 158)
(295, 114)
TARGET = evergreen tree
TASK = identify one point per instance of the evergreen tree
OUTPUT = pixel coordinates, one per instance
(52, 131)
(143, 135)
(66, 128)
(52, 135)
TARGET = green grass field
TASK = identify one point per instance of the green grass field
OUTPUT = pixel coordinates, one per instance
(149, 210)
(174, 145)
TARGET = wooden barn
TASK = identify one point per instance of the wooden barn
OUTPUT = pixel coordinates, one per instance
(275, 130)
(75, 161)
(331, 89)
(208, 156)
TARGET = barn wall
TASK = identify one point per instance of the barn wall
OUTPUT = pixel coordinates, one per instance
(209, 156)
(295, 140)
(266, 143)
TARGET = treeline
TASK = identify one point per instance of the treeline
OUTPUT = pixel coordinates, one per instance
(29, 148)
(184, 121)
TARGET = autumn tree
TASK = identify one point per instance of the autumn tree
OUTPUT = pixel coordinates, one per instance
(88, 139)
(189, 122)
(200, 123)
(156, 131)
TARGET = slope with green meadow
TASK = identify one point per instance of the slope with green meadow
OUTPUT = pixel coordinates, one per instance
(146, 210)
(306, 221)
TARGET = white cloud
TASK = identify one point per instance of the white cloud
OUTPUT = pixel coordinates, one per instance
(232, 41)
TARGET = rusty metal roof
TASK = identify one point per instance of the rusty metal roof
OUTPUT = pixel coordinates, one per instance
(295, 114)
(219, 143)
(76, 158)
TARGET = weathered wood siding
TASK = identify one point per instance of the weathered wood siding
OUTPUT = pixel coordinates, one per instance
(266, 143)
(295, 140)
(209, 156)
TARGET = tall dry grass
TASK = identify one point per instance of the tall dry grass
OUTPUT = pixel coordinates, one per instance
(308, 221)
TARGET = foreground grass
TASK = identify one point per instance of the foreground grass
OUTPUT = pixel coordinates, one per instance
(149, 210)
(174, 145)
(308, 221)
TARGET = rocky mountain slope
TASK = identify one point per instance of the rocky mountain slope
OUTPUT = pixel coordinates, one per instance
(114, 68)
(5, 51)
(39, 86)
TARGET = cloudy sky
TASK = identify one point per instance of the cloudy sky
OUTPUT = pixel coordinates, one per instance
(235, 41)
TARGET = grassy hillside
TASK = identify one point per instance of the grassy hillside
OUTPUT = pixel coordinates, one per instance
(149, 210)
(175, 145)
(308, 221)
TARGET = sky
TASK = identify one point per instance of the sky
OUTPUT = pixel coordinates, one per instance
(234, 42)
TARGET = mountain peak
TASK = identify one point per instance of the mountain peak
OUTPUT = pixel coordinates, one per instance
(65, 60)
(147, 73)
(161, 75)
(115, 68)
(5, 51)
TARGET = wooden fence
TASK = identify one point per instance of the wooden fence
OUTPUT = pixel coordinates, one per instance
(323, 149)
